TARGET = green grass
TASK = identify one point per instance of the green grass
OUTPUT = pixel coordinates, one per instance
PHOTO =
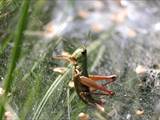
(38, 85)
(15, 53)
(38, 93)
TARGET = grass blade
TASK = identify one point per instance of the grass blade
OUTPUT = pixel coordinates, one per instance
(54, 85)
(15, 53)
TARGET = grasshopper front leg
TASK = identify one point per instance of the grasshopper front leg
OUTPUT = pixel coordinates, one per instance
(66, 57)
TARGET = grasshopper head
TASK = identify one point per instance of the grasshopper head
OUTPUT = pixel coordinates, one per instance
(80, 56)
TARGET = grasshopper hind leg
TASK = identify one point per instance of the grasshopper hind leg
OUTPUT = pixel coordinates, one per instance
(92, 84)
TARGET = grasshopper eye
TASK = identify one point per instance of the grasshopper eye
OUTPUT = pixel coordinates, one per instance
(84, 52)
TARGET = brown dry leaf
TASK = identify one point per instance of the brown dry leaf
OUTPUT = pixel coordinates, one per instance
(83, 116)
(96, 27)
(49, 27)
(83, 14)
(139, 112)
(120, 16)
(131, 33)
(50, 30)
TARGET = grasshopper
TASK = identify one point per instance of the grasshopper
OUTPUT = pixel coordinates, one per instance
(85, 84)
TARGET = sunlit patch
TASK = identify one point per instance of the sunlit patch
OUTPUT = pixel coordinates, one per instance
(60, 69)
(156, 26)
(64, 53)
(1, 91)
(9, 116)
(140, 69)
(71, 84)
(128, 116)
(101, 108)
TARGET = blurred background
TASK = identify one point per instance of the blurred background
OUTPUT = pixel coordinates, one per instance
(122, 38)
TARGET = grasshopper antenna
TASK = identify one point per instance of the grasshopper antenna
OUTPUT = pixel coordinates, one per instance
(83, 44)
(89, 36)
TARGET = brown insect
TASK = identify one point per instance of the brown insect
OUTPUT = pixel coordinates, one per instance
(84, 83)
